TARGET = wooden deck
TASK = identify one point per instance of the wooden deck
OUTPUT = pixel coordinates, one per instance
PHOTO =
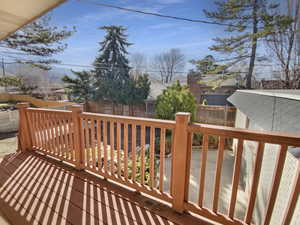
(35, 189)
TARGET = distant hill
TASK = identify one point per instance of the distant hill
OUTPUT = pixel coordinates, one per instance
(54, 75)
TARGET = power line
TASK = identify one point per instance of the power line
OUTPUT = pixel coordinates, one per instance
(105, 67)
(155, 14)
(15, 57)
(146, 71)
(108, 67)
(27, 54)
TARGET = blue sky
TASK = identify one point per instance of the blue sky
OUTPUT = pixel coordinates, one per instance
(150, 35)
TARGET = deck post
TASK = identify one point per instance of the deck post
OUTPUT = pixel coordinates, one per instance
(24, 138)
(76, 110)
(179, 167)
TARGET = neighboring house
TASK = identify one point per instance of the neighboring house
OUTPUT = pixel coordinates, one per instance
(53, 93)
(156, 89)
(212, 87)
(3, 89)
(272, 84)
(269, 110)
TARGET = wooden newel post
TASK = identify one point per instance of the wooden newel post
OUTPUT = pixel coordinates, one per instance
(179, 167)
(24, 137)
(76, 111)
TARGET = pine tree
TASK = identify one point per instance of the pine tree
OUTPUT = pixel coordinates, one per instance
(112, 72)
(38, 41)
(248, 22)
(112, 66)
(208, 65)
(80, 88)
(137, 90)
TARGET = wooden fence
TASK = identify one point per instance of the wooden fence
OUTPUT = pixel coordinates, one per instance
(107, 107)
(34, 101)
(216, 115)
(96, 142)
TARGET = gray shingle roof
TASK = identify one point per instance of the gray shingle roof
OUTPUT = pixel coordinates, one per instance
(212, 77)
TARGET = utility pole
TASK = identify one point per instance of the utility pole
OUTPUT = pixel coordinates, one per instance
(3, 73)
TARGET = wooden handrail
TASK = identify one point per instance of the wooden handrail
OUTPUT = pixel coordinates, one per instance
(270, 137)
(168, 124)
(58, 111)
(125, 150)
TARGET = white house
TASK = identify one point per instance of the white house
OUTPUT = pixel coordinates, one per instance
(269, 110)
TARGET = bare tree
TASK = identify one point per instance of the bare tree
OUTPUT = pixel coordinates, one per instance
(285, 45)
(169, 63)
(138, 63)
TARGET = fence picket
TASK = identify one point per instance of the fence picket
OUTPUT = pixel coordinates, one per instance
(203, 170)
(152, 156)
(105, 145)
(119, 148)
(133, 147)
(93, 146)
(294, 196)
(275, 182)
(99, 145)
(143, 136)
(255, 181)
(112, 147)
(236, 177)
(162, 158)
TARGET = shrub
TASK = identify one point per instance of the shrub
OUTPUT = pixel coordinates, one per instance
(175, 99)
(147, 168)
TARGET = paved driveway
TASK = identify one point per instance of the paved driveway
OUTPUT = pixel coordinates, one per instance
(8, 144)
(226, 179)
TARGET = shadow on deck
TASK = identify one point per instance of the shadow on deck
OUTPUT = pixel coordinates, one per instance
(35, 189)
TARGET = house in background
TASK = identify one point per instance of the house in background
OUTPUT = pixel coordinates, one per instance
(156, 89)
(202, 87)
(269, 110)
(271, 84)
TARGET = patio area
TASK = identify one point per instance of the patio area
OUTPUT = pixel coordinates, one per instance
(35, 189)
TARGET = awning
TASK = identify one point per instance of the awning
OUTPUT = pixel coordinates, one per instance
(14, 14)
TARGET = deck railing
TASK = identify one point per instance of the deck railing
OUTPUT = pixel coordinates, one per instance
(132, 151)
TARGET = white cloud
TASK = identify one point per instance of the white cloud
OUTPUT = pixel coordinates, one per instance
(163, 26)
(170, 1)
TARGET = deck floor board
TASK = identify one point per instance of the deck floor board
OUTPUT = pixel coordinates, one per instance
(35, 189)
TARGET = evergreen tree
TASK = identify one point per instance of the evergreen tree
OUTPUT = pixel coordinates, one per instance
(39, 41)
(176, 98)
(208, 65)
(137, 90)
(80, 88)
(248, 22)
(112, 78)
(111, 66)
